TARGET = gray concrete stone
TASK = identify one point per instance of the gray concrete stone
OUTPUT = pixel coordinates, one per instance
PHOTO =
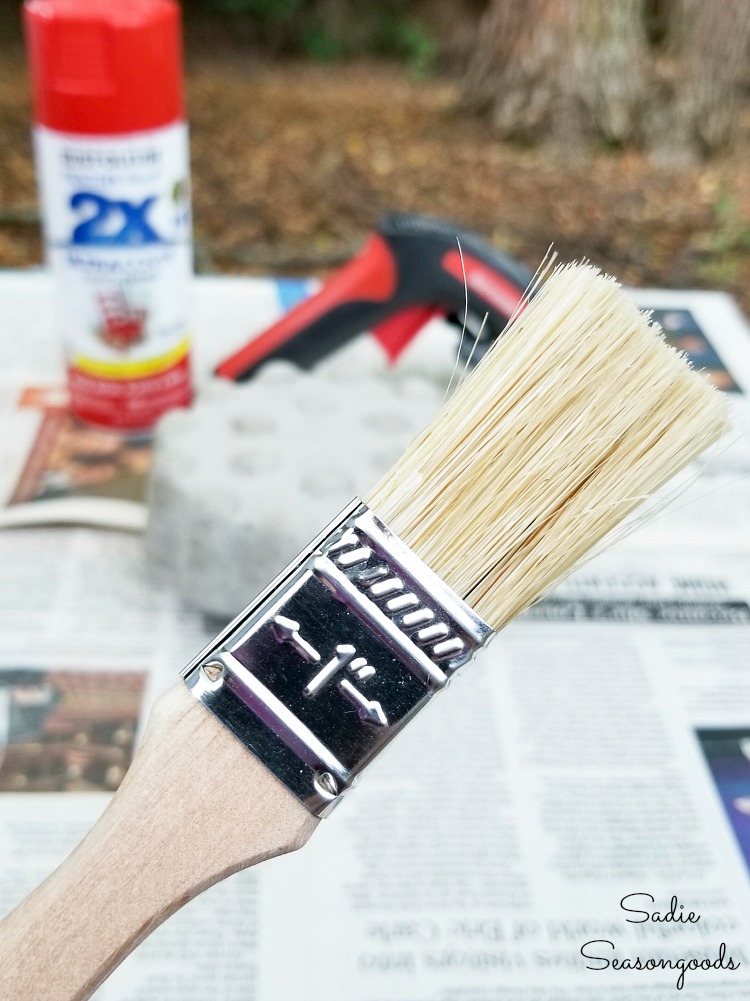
(245, 478)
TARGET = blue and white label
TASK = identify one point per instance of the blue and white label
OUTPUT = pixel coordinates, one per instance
(117, 230)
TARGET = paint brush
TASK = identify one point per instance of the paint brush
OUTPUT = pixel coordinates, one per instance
(577, 415)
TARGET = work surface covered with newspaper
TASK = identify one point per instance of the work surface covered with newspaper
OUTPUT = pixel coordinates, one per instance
(570, 822)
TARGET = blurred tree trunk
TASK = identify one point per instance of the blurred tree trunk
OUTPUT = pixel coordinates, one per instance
(566, 69)
(610, 36)
(708, 42)
(577, 70)
(516, 70)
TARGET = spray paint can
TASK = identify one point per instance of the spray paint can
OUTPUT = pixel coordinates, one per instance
(112, 162)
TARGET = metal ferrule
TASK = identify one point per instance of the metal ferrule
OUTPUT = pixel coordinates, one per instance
(336, 656)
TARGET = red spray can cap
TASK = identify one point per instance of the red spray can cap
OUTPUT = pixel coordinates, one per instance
(105, 67)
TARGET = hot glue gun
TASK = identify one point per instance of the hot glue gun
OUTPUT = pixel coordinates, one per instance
(411, 269)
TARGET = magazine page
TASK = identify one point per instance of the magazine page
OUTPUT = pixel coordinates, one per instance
(710, 502)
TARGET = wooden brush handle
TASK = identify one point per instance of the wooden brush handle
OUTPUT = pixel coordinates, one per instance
(194, 807)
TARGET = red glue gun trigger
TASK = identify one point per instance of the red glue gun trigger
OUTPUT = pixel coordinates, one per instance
(395, 332)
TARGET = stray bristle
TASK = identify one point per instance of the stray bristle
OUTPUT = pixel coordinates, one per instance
(574, 418)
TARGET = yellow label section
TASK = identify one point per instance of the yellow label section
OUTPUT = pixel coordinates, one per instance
(132, 369)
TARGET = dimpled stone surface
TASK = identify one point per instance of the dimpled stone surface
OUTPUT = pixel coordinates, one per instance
(243, 480)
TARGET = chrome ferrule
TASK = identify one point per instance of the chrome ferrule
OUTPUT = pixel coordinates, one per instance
(341, 650)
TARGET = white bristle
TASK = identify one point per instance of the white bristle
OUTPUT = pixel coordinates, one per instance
(577, 415)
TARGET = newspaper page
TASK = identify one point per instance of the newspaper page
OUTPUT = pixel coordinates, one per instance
(571, 821)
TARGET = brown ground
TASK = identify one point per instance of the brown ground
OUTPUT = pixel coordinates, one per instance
(294, 163)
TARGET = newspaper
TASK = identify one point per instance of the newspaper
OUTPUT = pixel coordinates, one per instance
(570, 822)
